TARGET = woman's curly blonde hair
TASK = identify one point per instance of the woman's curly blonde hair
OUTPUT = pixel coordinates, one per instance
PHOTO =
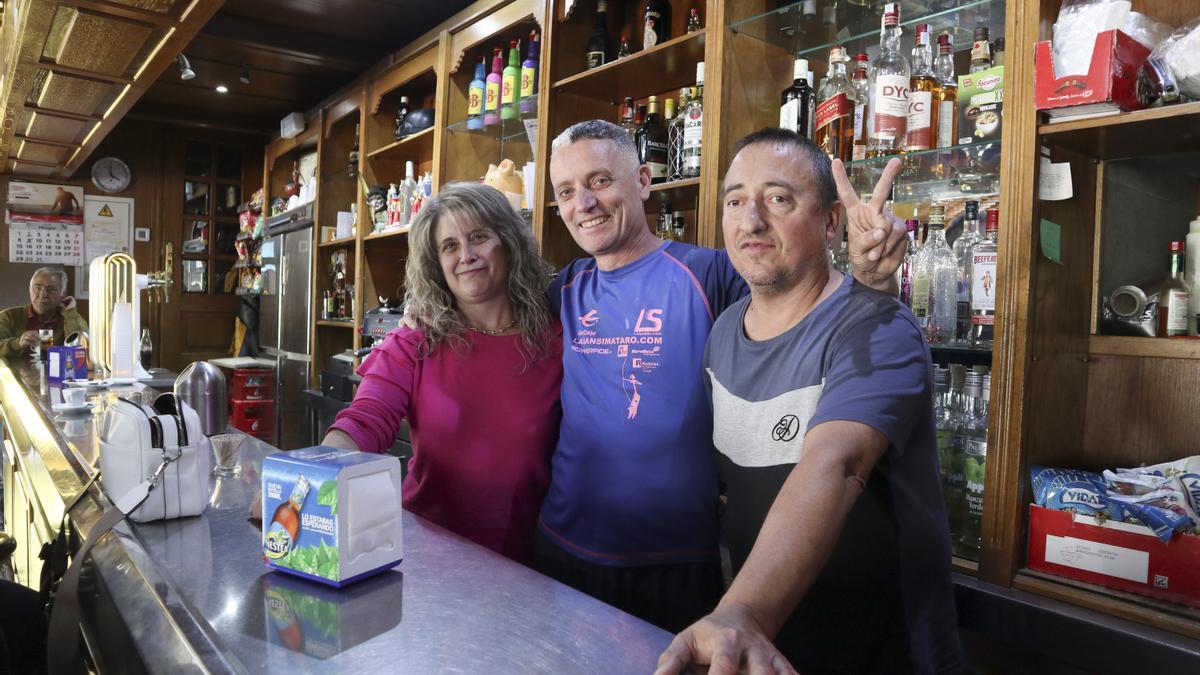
(429, 304)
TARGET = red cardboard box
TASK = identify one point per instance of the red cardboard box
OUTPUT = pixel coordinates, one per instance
(1117, 555)
(1109, 86)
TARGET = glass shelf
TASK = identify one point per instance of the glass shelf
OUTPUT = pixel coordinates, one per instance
(964, 171)
(509, 130)
(856, 27)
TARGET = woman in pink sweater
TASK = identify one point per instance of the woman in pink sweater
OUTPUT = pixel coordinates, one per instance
(476, 369)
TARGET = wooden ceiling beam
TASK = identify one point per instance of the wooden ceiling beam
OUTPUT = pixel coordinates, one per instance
(127, 12)
(319, 50)
(83, 73)
(51, 112)
(45, 141)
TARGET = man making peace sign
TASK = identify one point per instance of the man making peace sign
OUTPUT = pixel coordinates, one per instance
(822, 418)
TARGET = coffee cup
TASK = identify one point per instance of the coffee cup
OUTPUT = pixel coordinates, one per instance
(74, 396)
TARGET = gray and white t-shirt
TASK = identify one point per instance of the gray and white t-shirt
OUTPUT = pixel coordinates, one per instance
(884, 602)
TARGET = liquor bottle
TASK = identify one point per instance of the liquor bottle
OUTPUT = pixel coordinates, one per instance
(675, 137)
(408, 188)
(1192, 274)
(841, 258)
(664, 229)
(1174, 296)
(860, 83)
(795, 102)
(907, 267)
(491, 104)
(623, 48)
(475, 97)
(962, 252)
(627, 116)
(596, 51)
(923, 90)
(285, 522)
(947, 93)
(984, 281)
(677, 223)
(998, 52)
(835, 113)
(972, 446)
(651, 140)
(981, 50)
(693, 23)
(934, 286)
(656, 25)
(352, 159)
(145, 348)
(889, 83)
(529, 75)
(693, 127)
(401, 114)
(510, 83)
(950, 448)
(941, 411)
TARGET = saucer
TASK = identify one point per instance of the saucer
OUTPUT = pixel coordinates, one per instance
(68, 408)
(95, 384)
(118, 381)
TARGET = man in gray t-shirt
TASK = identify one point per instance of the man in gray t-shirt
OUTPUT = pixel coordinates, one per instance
(823, 422)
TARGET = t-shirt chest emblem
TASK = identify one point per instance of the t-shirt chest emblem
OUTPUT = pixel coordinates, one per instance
(786, 428)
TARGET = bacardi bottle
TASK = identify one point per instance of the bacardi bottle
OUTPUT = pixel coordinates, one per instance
(1173, 298)
(796, 102)
(651, 140)
(596, 51)
(934, 286)
(835, 114)
(983, 284)
(923, 90)
(962, 252)
(693, 127)
(860, 83)
(889, 86)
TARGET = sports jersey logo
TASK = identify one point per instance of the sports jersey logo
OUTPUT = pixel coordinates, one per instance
(786, 428)
(590, 319)
(649, 321)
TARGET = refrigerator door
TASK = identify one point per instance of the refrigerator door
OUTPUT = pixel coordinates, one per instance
(293, 423)
(296, 294)
(268, 326)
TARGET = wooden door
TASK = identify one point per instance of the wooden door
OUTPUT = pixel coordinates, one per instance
(203, 188)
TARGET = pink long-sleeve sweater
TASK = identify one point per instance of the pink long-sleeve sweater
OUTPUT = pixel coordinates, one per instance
(482, 430)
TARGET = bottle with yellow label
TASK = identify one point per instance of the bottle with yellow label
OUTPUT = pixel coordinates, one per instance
(529, 73)
(510, 82)
(285, 523)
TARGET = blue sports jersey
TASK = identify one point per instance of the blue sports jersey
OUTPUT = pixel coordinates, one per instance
(633, 478)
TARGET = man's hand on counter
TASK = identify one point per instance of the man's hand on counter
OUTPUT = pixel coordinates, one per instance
(729, 641)
(29, 339)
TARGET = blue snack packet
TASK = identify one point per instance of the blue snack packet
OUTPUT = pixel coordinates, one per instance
(1070, 489)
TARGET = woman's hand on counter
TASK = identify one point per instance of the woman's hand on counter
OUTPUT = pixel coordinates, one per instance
(729, 641)
(336, 438)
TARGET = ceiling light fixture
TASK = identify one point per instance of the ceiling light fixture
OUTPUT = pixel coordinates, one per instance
(244, 78)
(222, 89)
(185, 68)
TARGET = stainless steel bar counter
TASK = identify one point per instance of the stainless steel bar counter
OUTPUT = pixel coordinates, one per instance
(192, 595)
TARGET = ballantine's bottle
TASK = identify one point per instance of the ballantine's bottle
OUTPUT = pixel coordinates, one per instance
(475, 97)
(529, 72)
(510, 82)
(285, 523)
(491, 104)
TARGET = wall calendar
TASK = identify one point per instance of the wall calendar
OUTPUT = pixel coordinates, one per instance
(45, 243)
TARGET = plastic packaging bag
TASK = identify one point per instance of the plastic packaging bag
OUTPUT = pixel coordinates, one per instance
(1079, 22)
(1146, 30)
(1172, 72)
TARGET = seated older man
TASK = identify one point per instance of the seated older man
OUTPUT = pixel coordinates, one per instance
(48, 308)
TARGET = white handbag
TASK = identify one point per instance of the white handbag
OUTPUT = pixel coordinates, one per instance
(159, 451)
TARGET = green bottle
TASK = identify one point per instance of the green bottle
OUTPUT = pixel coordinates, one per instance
(510, 91)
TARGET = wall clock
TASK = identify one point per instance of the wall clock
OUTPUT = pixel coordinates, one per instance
(111, 175)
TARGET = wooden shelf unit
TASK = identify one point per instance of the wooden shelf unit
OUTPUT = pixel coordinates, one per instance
(1062, 395)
